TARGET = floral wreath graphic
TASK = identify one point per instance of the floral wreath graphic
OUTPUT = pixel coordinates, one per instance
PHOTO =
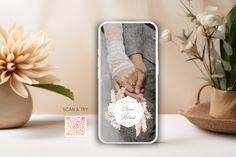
(109, 115)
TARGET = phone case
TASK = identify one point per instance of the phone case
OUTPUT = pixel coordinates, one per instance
(128, 82)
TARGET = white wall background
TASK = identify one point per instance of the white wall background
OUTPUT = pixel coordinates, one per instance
(72, 26)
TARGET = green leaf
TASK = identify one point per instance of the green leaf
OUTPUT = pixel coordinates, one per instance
(218, 76)
(229, 46)
(228, 49)
(223, 84)
(57, 89)
(214, 54)
(232, 87)
(219, 69)
(226, 65)
(231, 18)
(231, 76)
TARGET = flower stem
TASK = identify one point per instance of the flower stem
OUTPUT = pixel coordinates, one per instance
(175, 43)
(205, 65)
(209, 55)
(210, 62)
(195, 63)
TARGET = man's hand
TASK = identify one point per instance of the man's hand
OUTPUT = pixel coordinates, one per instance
(141, 69)
(126, 78)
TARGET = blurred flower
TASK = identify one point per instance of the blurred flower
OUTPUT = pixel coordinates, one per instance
(212, 20)
(22, 59)
(216, 33)
(188, 47)
(209, 17)
(221, 28)
(166, 36)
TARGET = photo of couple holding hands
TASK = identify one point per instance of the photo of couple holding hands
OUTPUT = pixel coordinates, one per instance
(128, 60)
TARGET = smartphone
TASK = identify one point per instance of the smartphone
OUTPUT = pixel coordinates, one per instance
(128, 82)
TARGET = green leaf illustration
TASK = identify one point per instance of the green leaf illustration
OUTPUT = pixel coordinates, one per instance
(57, 89)
(228, 49)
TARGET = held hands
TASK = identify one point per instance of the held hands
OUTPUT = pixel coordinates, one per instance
(125, 78)
(132, 78)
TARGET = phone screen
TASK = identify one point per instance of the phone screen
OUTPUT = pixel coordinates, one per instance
(127, 82)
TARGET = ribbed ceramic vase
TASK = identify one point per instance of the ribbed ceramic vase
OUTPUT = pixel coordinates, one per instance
(15, 111)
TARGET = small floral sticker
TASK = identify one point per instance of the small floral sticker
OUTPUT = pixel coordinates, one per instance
(75, 126)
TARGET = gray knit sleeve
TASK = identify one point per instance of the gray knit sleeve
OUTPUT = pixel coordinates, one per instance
(133, 38)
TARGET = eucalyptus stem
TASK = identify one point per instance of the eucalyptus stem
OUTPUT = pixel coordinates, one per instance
(210, 63)
(209, 55)
(205, 65)
(199, 68)
(204, 60)
(214, 63)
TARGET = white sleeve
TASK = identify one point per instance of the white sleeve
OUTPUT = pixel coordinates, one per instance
(117, 58)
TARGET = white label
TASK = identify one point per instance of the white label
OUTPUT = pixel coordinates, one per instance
(128, 111)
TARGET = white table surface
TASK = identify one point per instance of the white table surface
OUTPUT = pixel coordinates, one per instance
(44, 136)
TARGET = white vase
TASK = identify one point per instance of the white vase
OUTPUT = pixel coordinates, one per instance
(15, 111)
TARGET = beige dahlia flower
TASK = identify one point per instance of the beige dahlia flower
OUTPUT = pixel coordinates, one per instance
(22, 59)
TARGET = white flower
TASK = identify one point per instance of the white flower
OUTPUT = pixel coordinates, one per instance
(22, 59)
(200, 17)
(220, 32)
(188, 47)
(210, 18)
(166, 35)
(222, 28)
